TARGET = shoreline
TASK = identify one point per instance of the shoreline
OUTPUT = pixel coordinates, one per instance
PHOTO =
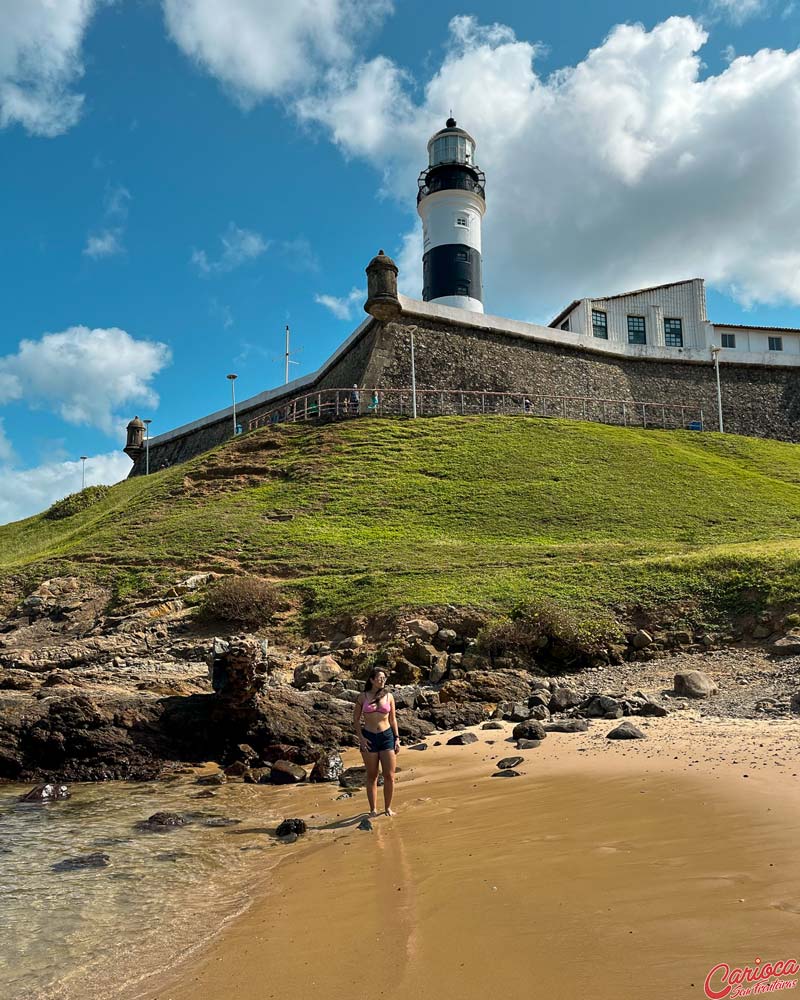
(705, 822)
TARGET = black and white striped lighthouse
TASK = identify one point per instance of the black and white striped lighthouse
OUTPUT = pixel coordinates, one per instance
(451, 204)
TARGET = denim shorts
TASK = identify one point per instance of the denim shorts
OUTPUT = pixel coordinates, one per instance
(379, 741)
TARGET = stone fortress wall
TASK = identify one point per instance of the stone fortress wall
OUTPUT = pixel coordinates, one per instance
(456, 349)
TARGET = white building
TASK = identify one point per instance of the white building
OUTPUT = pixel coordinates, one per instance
(670, 321)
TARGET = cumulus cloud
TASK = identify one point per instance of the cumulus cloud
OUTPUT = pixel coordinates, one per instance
(84, 375)
(6, 448)
(260, 48)
(342, 308)
(24, 492)
(627, 169)
(238, 247)
(40, 61)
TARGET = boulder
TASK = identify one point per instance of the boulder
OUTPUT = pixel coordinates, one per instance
(507, 762)
(309, 721)
(488, 686)
(218, 778)
(567, 726)
(599, 705)
(694, 684)
(540, 713)
(563, 698)
(641, 640)
(530, 730)
(445, 638)
(528, 744)
(161, 821)
(462, 739)
(507, 773)
(285, 773)
(46, 793)
(494, 724)
(788, 645)
(82, 861)
(652, 708)
(794, 703)
(356, 777)
(410, 726)
(422, 627)
(288, 826)
(316, 672)
(456, 713)
(327, 767)
(515, 711)
(403, 671)
(626, 731)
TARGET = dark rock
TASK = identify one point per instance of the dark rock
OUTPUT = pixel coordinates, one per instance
(596, 706)
(626, 731)
(411, 726)
(488, 686)
(207, 794)
(296, 826)
(418, 746)
(456, 714)
(356, 777)
(221, 821)
(641, 639)
(82, 861)
(794, 703)
(424, 628)
(161, 821)
(516, 711)
(509, 762)
(462, 739)
(652, 708)
(563, 698)
(788, 645)
(567, 726)
(327, 767)
(528, 744)
(508, 773)
(257, 776)
(540, 712)
(236, 770)
(694, 684)
(218, 778)
(46, 793)
(283, 772)
(494, 724)
(530, 730)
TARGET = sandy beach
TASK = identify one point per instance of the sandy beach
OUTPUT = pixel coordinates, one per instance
(607, 868)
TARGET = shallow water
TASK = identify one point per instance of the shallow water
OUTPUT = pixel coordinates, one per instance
(83, 934)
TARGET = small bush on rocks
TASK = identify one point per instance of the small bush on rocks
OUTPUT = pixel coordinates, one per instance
(545, 631)
(75, 502)
(240, 600)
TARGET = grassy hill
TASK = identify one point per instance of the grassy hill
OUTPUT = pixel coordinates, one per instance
(380, 514)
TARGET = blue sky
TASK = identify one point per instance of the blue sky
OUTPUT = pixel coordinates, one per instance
(181, 179)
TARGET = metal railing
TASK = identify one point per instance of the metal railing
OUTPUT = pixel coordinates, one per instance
(339, 404)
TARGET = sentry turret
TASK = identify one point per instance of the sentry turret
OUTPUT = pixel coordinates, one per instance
(451, 203)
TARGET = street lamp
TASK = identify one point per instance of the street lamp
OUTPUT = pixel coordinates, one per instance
(413, 377)
(233, 397)
(147, 447)
(715, 355)
(83, 472)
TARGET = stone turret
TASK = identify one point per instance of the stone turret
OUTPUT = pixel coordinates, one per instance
(382, 301)
(134, 446)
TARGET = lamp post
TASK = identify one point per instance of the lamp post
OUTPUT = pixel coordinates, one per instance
(147, 446)
(233, 397)
(83, 472)
(715, 355)
(413, 377)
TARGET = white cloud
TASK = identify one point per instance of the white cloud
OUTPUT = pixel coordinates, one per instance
(24, 492)
(84, 375)
(342, 308)
(738, 11)
(40, 60)
(260, 48)
(6, 448)
(624, 170)
(238, 247)
(108, 242)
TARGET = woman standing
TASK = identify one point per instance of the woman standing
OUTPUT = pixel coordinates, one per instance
(376, 728)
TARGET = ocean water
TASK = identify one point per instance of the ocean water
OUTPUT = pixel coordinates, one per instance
(96, 933)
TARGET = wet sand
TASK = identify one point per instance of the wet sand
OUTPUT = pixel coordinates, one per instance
(608, 869)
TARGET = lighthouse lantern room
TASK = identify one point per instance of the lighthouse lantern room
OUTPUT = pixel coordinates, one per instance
(451, 203)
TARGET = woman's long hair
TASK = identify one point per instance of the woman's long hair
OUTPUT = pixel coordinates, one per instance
(368, 686)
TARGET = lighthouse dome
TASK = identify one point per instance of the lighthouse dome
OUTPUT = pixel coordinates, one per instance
(451, 145)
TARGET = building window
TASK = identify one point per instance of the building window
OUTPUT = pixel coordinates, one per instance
(565, 325)
(462, 290)
(673, 332)
(599, 324)
(462, 220)
(729, 340)
(776, 343)
(462, 255)
(636, 331)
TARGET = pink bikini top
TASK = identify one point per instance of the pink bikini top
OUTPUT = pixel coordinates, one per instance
(382, 706)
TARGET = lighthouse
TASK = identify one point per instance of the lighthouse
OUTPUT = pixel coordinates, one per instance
(451, 204)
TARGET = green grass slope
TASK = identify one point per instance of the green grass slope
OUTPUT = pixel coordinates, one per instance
(374, 514)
